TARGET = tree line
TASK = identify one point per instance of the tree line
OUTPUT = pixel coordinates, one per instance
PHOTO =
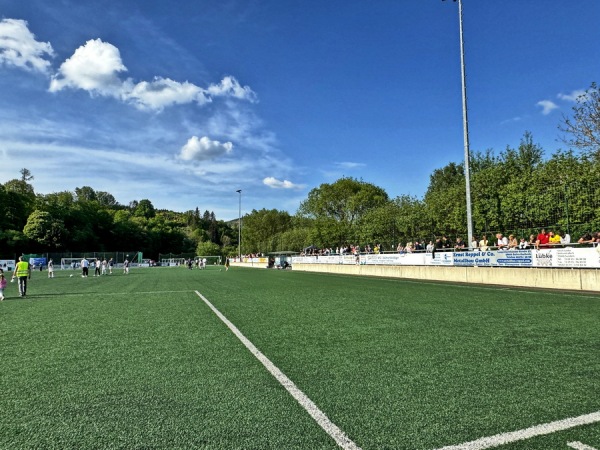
(93, 221)
(518, 190)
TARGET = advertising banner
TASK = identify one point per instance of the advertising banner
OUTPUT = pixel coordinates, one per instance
(494, 258)
(440, 259)
(567, 257)
(7, 265)
(570, 257)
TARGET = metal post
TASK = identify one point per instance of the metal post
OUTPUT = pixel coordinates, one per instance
(239, 191)
(465, 127)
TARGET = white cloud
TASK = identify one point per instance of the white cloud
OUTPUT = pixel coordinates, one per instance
(94, 67)
(165, 92)
(278, 184)
(573, 96)
(349, 165)
(547, 106)
(19, 48)
(202, 149)
(511, 120)
(230, 87)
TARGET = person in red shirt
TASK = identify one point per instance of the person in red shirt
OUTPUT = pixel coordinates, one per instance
(542, 239)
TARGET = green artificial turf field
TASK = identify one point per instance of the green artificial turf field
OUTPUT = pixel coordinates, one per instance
(140, 361)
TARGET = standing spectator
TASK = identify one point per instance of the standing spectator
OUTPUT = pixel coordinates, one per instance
(523, 244)
(22, 273)
(553, 239)
(484, 243)
(446, 243)
(513, 244)
(85, 267)
(3, 284)
(501, 242)
(430, 247)
(587, 238)
(532, 240)
(459, 244)
(50, 269)
(542, 239)
(565, 238)
(474, 244)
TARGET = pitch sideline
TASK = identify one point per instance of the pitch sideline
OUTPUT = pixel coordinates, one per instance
(319, 416)
(528, 433)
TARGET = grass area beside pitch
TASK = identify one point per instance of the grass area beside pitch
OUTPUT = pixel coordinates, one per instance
(139, 361)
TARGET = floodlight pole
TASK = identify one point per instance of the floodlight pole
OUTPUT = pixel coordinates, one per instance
(239, 191)
(465, 128)
(465, 125)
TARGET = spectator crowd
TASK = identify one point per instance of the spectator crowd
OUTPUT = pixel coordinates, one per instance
(544, 239)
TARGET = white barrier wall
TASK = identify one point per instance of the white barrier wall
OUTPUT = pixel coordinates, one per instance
(558, 268)
(566, 279)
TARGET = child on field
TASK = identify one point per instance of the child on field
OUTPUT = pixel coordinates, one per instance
(2, 286)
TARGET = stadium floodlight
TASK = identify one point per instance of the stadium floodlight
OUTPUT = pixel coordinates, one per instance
(239, 191)
(465, 126)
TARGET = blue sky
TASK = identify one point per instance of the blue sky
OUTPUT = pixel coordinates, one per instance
(185, 102)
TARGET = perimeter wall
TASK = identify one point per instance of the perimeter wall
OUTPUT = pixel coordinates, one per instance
(568, 279)
(560, 268)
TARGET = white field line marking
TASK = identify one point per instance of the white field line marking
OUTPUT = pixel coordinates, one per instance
(580, 446)
(527, 433)
(87, 294)
(319, 416)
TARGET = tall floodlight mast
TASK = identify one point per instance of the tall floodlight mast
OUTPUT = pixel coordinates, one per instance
(465, 125)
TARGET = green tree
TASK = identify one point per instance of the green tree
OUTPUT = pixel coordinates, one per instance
(42, 228)
(337, 209)
(584, 127)
(208, 249)
(145, 209)
(85, 194)
(26, 175)
(445, 199)
(106, 200)
(19, 202)
(262, 230)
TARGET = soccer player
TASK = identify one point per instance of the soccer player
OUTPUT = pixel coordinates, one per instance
(50, 269)
(85, 267)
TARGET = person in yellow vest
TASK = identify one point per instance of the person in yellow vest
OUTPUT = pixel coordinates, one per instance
(22, 272)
